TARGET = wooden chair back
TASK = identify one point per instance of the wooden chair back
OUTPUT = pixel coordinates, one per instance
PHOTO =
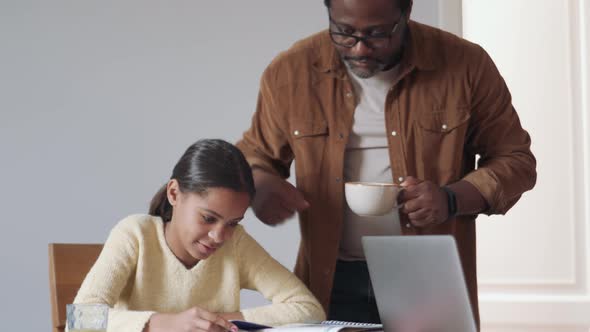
(68, 266)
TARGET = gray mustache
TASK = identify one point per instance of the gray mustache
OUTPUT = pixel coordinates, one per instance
(362, 58)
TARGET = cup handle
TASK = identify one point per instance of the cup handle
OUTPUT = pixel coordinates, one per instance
(399, 206)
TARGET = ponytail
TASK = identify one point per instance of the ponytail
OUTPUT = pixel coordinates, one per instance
(208, 163)
(160, 207)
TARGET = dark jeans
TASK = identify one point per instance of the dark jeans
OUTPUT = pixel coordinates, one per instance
(352, 294)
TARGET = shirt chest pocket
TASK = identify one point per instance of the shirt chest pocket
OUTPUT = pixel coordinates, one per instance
(440, 140)
(443, 121)
(303, 130)
(309, 142)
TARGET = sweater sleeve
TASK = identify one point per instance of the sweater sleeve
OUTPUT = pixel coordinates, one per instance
(291, 301)
(109, 276)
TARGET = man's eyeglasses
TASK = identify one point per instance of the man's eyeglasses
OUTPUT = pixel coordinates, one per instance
(372, 41)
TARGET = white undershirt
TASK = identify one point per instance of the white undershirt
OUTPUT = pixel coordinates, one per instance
(367, 159)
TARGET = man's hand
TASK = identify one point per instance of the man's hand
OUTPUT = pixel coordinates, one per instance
(276, 199)
(191, 320)
(424, 202)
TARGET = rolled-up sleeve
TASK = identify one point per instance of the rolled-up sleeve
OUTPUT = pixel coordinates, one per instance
(507, 167)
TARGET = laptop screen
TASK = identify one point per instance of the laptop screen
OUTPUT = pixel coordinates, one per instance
(418, 283)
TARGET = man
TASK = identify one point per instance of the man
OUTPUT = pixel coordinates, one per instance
(379, 97)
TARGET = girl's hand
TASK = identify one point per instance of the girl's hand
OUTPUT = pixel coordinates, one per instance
(232, 315)
(191, 320)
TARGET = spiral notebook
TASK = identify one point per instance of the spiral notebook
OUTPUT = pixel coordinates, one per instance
(325, 326)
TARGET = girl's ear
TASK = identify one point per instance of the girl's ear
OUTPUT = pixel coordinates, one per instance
(173, 192)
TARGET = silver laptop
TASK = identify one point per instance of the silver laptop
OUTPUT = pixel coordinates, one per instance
(418, 283)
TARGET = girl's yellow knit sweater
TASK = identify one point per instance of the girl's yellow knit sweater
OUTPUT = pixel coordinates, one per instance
(137, 275)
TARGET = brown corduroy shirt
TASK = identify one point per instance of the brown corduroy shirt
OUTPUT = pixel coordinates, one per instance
(448, 105)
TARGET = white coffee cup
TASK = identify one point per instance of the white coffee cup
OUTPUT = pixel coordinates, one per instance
(371, 198)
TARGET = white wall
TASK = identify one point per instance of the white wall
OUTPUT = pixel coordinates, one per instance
(98, 99)
(533, 262)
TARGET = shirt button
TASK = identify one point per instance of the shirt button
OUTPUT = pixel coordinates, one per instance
(394, 133)
(444, 127)
(349, 94)
(400, 179)
(296, 133)
(408, 225)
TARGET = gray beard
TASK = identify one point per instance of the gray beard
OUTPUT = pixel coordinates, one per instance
(364, 74)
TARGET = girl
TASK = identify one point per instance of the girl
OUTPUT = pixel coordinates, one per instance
(181, 267)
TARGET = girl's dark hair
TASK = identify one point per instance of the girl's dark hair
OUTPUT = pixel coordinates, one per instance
(208, 163)
(403, 4)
